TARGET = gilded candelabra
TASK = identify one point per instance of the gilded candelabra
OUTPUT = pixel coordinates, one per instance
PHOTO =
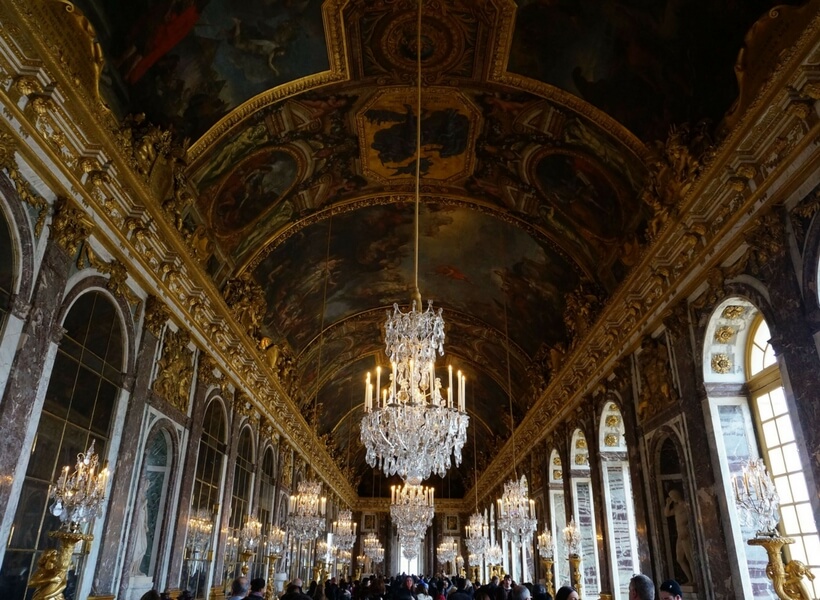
(759, 504)
(274, 545)
(545, 550)
(78, 498)
(572, 538)
(249, 537)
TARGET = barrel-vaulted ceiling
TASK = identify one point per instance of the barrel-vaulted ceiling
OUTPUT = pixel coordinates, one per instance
(539, 122)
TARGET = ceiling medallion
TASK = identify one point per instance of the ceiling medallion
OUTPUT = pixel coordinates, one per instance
(412, 400)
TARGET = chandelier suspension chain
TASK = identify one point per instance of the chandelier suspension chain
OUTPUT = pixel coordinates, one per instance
(417, 293)
(509, 387)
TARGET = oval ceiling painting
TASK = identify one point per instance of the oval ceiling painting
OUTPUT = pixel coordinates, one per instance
(252, 189)
(578, 188)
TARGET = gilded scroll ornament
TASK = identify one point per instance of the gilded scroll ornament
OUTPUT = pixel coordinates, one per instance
(70, 226)
(175, 370)
(143, 143)
(676, 166)
(721, 363)
(657, 386)
(156, 315)
(733, 312)
(9, 164)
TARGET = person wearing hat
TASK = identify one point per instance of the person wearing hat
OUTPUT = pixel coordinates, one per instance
(670, 590)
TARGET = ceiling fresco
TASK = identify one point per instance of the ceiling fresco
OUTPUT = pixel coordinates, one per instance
(188, 63)
(647, 63)
(540, 121)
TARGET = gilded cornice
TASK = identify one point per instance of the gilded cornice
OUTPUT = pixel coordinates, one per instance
(126, 212)
(382, 505)
(771, 140)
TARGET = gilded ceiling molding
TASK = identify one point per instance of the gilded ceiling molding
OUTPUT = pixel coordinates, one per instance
(126, 205)
(769, 138)
(337, 57)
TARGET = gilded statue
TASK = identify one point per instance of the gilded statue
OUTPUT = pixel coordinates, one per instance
(144, 142)
(793, 584)
(677, 164)
(175, 370)
(580, 310)
(287, 466)
(246, 299)
(50, 577)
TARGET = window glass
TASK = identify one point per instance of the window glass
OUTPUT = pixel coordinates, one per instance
(64, 430)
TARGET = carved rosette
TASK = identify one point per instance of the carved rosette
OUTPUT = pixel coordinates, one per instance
(175, 370)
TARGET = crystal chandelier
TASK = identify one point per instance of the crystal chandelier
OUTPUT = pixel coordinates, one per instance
(478, 534)
(447, 549)
(306, 511)
(79, 497)
(200, 527)
(409, 542)
(344, 530)
(324, 552)
(412, 401)
(372, 548)
(516, 512)
(757, 498)
(411, 508)
(251, 534)
(343, 556)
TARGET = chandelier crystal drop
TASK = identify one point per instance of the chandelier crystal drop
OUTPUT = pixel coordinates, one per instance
(79, 497)
(494, 554)
(200, 527)
(757, 498)
(306, 511)
(274, 541)
(447, 549)
(478, 534)
(409, 542)
(251, 534)
(344, 530)
(516, 511)
(411, 509)
(412, 401)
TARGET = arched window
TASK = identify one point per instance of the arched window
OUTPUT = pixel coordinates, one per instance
(623, 543)
(750, 418)
(80, 401)
(780, 451)
(584, 512)
(558, 516)
(206, 497)
(267, 488)
(243, 480)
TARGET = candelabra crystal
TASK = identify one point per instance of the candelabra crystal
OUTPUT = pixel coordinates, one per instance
(757, 498)
(274, 541)
(478, 535)
(372, 548)
(447, 549)
(494, 554)
(572, 538)
(545, 549)
(516, 511)
(411, 508)
(200, 528)
(79, 497)
(344, 530)
(306, 511)
(412, 402)
(251, 534)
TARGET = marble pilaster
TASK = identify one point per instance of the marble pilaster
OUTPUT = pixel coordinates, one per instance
(112, 540)
(27, 384)
(596, 476)
(710, 546)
